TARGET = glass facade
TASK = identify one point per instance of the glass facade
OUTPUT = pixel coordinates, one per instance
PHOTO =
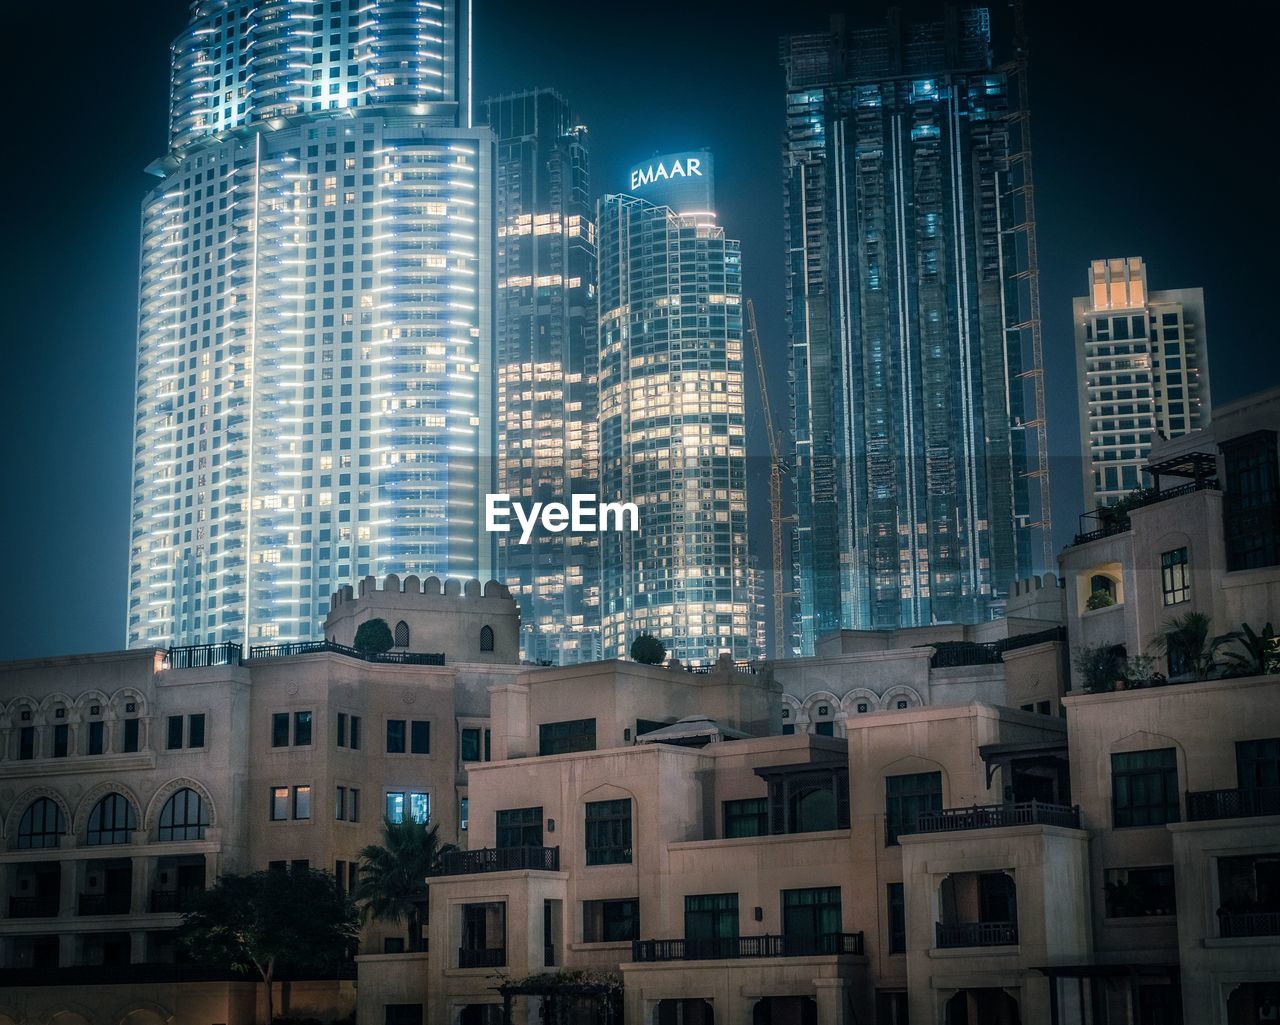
(314, 366)
(672, 434)
(907, 330)
(545, 356)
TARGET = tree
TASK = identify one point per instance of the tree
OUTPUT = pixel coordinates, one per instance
(374, 637)
(1100, 666)
(1185, 639)
(266, 921)
(648, 650)
(1259, 653)
(393, 875)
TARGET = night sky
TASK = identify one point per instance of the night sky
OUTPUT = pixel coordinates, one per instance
(1150, 136)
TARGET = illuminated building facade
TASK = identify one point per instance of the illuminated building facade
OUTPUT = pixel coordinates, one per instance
(672, 436)
(314, 357)
(1141, 367)
(909, 334)
(545, 355)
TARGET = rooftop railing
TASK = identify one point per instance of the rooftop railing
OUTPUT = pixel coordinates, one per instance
(953, 654)
(735, 947)
(206, 656)
(1115, 520)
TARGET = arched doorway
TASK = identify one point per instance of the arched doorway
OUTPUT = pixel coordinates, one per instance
(1254, 1003)
(684, 1012)
(785, 1011)
(982, 1007)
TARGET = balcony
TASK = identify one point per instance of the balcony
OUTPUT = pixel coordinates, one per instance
(733, 948)
(996, 816)
(487, 957)
(1205, 805)
(500, 859)
(104, 904)
(1236, 924)
(1114, 519)
(977, 934)
(203, 656)
(33, 907)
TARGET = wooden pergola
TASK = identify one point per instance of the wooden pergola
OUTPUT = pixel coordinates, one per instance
(567, 1001)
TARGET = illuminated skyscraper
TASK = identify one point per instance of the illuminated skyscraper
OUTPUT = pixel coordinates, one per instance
(1141, 367)
(545, 353)
(913, 324)
(672, 435)
(314, 368)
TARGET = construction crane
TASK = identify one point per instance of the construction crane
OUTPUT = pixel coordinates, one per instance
(778, 467)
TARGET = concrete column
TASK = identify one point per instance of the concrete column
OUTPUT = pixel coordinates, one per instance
(137, 947)
(69, 892)
(67, 949)
(833, 1002)
(141, 882)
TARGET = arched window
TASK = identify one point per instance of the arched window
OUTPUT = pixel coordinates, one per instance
(486, 638)
(42, 824)
(111, 821)
(183, 817)
(402, 634)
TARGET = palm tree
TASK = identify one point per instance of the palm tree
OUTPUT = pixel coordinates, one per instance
(393, 875)
(1259, 654)
(1186, 641)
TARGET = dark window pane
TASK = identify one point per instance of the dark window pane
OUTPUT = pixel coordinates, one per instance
(610, 921)
(174, 736)
(302, 728)
(556, 738)
(61, 736)
(26, 743)
(1144, 787)
(95, 738)
(609, 832)
(897, 919)
(420, 737)
(749, 817)
(1140, 892)
(906, 797)
(519, 827)
(280, 729)
(355, 733)
(131, 735)
(470, 745)
(395, 736)
(195, 730)
(342, 729)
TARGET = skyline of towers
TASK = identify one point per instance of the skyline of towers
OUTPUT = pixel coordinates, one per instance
(546, 356)
(909, 365)
(672, 421)
(314, 358)
(1142, 366)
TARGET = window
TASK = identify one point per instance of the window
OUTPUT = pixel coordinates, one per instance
(195, 730)
(349, 731)
(95, 737)
(475, 744)
(302, 802)
(609, 832)
(420, 737)
(415, 804)
(401, 1014)
(395, 736)
(897, 919)
(486, 638)
(1251, 503)
(749, 817)
(811, 913)
(1144, 787)
(174, 735)
(280, 729)
(301, 729)
(61, 739)
(825, 728)
(183, 816)
(402, 634)
(519, 827)
(26, 743)
(41, 825)
(355, 733)
(463, 810)
(111, 821)
(130, 735)
(1175, 578)
(610, 921)
(342, 729)
(1258, 764)
(710, 925)
(1138, 892)
(905, 797)
(340, 804)
(279, 803)
(557, 738)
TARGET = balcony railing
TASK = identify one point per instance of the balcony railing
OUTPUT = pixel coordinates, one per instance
(995, 816)
(1112, 521)
(954, 654)
(500, 859)
(1204, 805)
(33, 907)
(1233, 924)
(491, 957)
(978, 934)
(732, 948)
(169, 902)
(104, 904)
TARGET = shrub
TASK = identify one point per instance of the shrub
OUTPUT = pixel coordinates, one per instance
(1100, 599)
(374, 637)
(648, 650)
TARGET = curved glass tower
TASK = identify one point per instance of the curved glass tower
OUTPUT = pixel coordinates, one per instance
(672, 431)
(314, 376)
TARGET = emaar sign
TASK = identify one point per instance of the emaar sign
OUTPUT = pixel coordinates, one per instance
(682, 181)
